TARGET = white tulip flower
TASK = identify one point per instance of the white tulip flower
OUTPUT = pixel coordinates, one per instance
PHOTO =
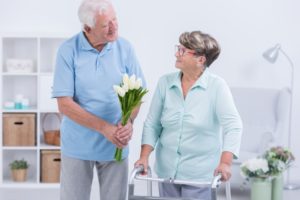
(125, 79)
(125, 87)
(116, 88)
(120, 91)
(132, 81)
(138, 83)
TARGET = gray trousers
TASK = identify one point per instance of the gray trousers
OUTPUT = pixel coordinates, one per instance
(188, 191)
(77, 176)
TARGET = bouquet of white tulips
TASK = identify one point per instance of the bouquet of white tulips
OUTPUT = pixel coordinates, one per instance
(130, 94)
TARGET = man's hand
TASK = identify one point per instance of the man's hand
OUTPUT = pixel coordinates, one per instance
(111, 135)
(225, 170)
(124, 133)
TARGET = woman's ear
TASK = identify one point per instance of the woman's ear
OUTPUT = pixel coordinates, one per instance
(86, 28)
(202, 60)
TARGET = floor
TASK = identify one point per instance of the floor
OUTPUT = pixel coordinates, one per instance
(238, 194)
(53, 194)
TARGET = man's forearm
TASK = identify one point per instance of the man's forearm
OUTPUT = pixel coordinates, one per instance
(134, 113)
(72, 110)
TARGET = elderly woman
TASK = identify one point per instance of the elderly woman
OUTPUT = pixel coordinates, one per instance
(188, 111)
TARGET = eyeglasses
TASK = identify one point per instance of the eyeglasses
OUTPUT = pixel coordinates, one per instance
(181, 50)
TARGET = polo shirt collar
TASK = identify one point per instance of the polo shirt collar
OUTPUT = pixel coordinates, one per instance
(202, 82)
(87, 46)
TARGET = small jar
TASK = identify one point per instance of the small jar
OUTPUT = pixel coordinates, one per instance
(9, 105)
(25, 103)
(18, 101)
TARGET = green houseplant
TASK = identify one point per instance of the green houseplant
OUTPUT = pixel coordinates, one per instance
(256, 170)
(279, 159)
(19, 170)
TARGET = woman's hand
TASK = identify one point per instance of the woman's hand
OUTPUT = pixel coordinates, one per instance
(225, 170)
(144, 157)
(144, 162)
(224, 167)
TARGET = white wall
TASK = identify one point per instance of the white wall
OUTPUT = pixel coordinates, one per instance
(243, 28)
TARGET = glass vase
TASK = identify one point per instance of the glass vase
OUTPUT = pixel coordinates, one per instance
(277, 187)
(261, 189)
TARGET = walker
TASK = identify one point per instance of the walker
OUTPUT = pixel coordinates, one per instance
(136, 175)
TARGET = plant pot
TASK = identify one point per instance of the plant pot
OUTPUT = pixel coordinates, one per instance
(261, 189)
(19, 175)
(277, 187)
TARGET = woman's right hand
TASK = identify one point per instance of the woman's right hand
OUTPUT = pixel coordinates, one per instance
(144, 162)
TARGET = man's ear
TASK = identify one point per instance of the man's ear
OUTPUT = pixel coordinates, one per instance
(86, 28)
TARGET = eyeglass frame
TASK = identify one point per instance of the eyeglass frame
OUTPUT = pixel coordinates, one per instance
(181, 50)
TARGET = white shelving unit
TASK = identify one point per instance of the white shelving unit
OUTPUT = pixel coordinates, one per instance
(34, 85)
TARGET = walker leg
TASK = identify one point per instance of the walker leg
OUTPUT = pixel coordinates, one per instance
(228, 190)
(213, 194)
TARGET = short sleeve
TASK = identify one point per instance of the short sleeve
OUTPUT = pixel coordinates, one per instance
(63, 81)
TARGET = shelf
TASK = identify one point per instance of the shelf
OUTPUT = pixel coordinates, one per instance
(28, 185)
(9, 155)
(18, 74)
(26, 72)
(27, 182)
(20, 50)
(46, 73)
(48, 50)
(45, 90)
(31, 110)
(19, 148)
(26, 86)
(44, 146)
(49, 110)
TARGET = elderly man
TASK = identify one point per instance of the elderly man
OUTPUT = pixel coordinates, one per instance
(87, 67)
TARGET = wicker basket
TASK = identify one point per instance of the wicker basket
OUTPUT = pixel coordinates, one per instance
(51, 137)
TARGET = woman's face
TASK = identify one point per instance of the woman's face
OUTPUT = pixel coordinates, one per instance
(185, 58)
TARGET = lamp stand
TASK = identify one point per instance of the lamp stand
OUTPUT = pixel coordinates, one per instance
(289, 185)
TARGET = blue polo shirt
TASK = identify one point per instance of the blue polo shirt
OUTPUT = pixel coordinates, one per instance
(88, 76)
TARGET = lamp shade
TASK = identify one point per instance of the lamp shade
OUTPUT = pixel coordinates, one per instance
(271, 54)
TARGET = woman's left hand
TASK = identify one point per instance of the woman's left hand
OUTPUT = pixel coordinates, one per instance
(225, 170)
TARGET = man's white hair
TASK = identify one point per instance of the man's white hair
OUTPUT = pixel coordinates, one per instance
(89, 8)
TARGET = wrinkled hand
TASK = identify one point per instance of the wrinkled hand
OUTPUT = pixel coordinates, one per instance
(144, 162)
(124, 133)
(111, 135)
(225, 170)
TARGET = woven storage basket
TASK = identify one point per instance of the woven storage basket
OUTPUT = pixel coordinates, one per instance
(51, 137)
(50, 166)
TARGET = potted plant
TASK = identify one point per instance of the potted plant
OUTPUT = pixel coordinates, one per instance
(19, 170)
(279, 159)
(257, 171)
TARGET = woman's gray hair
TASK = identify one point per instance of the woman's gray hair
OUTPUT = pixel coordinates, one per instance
(203, 44)
(89, 8)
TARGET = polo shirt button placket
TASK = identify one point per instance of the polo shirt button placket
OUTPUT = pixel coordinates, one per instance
(98, 65)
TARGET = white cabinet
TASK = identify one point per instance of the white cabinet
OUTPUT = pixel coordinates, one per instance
(26, 74)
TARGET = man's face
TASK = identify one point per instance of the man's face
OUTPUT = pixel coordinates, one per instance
(106, 27)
